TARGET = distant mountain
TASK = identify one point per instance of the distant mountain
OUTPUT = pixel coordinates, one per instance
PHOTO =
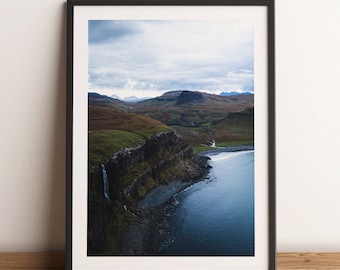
(190, 97)
(229, 94)
(96, 99)
(96, 95)
(197, 116)
(115, 97)
(134, 99)
(129, 99)
(186, 98)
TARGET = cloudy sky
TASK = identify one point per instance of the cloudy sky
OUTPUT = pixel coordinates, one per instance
(148, 58)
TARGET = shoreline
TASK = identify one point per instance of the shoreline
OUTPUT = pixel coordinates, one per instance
(142, 236)
(218, 150)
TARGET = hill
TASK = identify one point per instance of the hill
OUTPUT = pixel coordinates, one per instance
(111, 129)
(95, 99)
(228, 94)
(181, 98)
(104, 118)
(201, 117)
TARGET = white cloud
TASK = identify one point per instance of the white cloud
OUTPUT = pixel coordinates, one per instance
(168, 55)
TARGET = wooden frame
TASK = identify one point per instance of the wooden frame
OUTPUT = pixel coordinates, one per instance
(80, 12)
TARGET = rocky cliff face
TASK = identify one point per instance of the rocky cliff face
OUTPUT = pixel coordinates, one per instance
(131, 173)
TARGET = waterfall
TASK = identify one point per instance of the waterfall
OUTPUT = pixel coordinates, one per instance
(105, 182)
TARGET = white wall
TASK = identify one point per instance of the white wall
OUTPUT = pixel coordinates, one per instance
(32, 120)
(308, 130)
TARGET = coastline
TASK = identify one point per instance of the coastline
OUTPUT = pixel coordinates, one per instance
(219, 150)
(144, 234)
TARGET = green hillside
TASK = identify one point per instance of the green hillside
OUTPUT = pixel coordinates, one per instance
(200, 118)
(111, 129)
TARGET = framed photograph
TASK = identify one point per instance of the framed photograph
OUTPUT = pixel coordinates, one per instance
(170, 134)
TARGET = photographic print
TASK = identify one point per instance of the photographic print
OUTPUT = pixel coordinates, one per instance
(171, 149)
(171, 125)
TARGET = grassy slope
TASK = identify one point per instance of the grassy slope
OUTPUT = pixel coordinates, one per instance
(200, 123)
(111, 129)
(103, 143)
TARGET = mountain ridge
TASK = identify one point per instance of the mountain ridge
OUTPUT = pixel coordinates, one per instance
(197, 116)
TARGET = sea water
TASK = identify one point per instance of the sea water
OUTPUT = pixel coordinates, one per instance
(215, 216)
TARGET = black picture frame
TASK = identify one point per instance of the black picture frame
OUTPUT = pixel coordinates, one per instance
(72, 111)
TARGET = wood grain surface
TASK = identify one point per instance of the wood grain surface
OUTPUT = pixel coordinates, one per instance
(308, 261)
(39, 261)
(293, 261)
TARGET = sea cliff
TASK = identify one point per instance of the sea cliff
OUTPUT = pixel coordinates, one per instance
(130, 174)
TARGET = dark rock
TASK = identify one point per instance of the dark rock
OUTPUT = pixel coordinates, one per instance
(131, 173)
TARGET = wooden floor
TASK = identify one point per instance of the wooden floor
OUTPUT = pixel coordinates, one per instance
(292, 261)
